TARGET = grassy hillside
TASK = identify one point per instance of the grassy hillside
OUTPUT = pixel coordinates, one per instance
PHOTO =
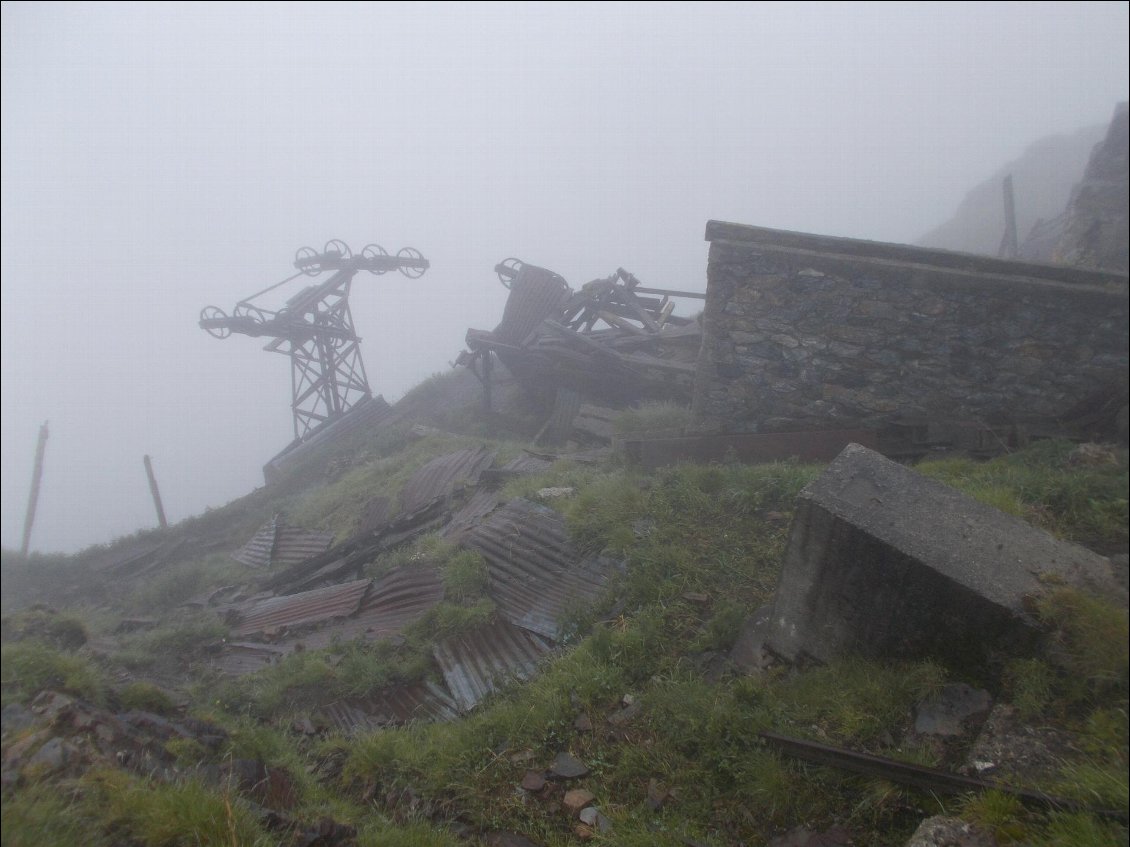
(640, 691)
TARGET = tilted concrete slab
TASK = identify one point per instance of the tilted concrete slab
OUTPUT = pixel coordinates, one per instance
(885, 562)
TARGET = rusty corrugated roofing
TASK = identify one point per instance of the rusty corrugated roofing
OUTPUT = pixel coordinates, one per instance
(481, 661)
(278, 545)
(240, 658)
(321, 604)
(378, 512)
(256, 553)
(535, 572)
(423, 701)
(396, 600)
(439, 477)
(294, 545)
(482, 503)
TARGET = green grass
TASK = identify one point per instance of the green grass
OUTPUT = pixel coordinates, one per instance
(28, 667)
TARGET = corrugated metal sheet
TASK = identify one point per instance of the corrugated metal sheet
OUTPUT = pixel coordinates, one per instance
(294, 545)
(438, 477)
(240, 658)
(132, 556)
(527, 463)
(396, 600)
(378, 512)
(479, 662)
(278, 545)
(482, 503)
(256, 553)
(423, 701)
(337, 601)
(535, 572)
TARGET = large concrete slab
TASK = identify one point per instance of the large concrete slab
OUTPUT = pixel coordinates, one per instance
(885, 562)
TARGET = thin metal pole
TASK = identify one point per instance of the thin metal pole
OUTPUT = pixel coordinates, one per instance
(1009, 248)
(156, 494)
(33, 495)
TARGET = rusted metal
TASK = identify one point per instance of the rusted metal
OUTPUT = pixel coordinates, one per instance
(278, 545)
(239, 658)
(322, 604)
(612, 338)
(315, 328)
(918, 776)
(751, 448)
(474, 511)
(481, 661)
(439, 477)
(395, 601)
(536, 575)
(393, 706)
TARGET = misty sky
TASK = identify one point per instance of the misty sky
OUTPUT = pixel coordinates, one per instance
(160, 158)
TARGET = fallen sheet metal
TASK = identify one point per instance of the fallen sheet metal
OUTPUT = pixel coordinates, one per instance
(474, 511)
(322, 604)
(439, 477)
(395, 706)
(278, 545)
(535, 573)
(481, 661)
(395, 601)
(241, 658)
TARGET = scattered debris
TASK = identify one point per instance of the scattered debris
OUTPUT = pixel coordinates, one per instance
(478, 662)
(942, 831)
(567, 766)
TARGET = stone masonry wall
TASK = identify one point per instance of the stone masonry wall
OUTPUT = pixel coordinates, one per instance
(812, 332)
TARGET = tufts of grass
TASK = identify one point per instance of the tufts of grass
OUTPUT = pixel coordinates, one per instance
(146, 697)
(62, 631)
(1001, 814)
(179, 640)
(181, 814)
(1083, 503)
(28, 667)
(465, 577)
(46, 815)
(181, 582)
(1090, 637)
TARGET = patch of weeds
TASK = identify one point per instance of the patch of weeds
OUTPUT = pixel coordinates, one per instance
(465, 577)
(187, 751)
(430, 549)
(724, 626)
(1090, 637)
(181, 814)
(384, 833)
(178, 640)
(28, 667)
(1078, 830)
(1001, 814)
(446, 620)
(47, 815)
(181, 582)
(1030, 685)
(1084, 503)
(146, 697)
(61, 631)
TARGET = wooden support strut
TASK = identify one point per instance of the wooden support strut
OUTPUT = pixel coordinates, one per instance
(156, 492)
(33, 494)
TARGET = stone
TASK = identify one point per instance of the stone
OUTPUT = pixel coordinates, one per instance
(582, 723)
(55, 755)
(945, 714)
(555, 493)
(625, 714)
(566, 766)
(533, 781)
(884, 562)
(15, 718)
(576, 799)
(657, 794)
(941, 831)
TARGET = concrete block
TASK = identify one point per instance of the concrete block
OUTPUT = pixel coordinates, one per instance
(884, 562)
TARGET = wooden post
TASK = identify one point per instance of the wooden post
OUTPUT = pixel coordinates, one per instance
(1009, 248)
(33, 495)
(156, 494)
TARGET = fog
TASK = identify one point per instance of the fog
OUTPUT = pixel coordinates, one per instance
(160, 158)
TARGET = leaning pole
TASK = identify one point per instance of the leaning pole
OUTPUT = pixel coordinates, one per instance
(33, 495)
